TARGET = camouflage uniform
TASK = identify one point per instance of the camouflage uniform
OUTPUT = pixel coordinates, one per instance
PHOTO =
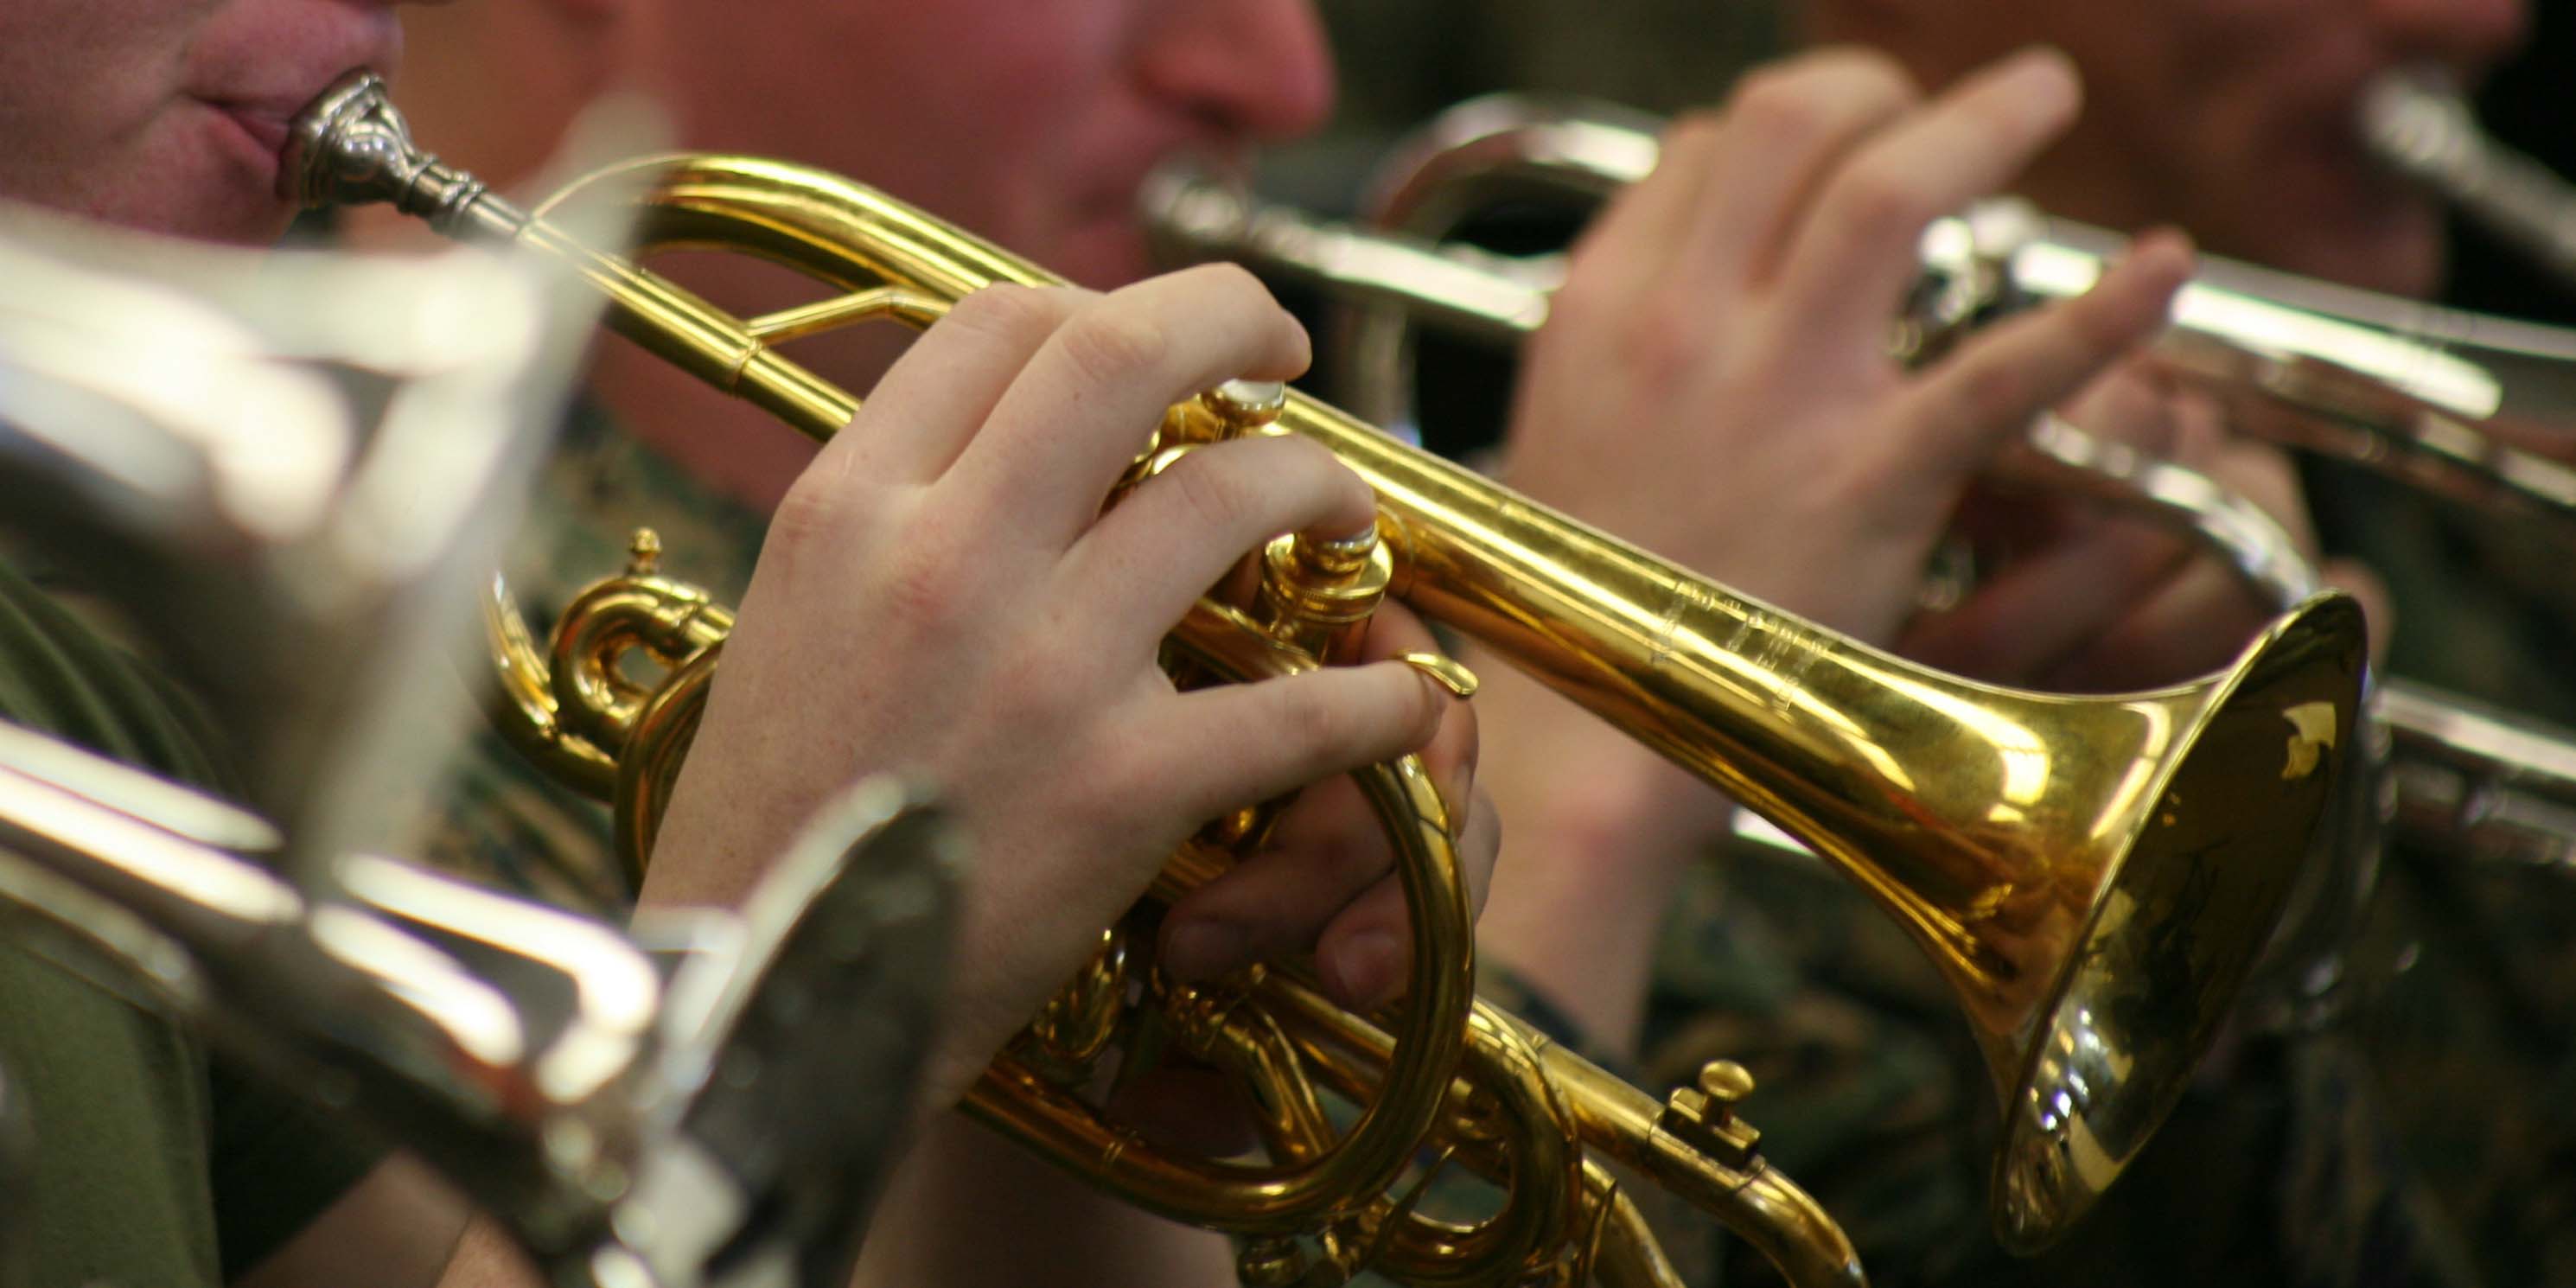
(2469, 966)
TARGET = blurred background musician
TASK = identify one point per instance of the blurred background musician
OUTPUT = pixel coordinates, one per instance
(2231, 118)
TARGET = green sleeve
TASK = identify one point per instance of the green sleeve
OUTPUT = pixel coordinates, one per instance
(155, 1165)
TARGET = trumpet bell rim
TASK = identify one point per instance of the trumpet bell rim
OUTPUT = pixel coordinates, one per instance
(2179, 922)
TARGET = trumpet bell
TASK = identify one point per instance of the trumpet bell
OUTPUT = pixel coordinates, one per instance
(2093, 875)
(2184, 871)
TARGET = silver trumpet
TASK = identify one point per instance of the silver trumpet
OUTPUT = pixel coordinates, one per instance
(289, 473)
(712, 1113)
(2476, 407)
(278, 478)
(2424, 130)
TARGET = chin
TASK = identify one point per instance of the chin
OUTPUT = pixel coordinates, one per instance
(2375, 238)
(198, 194)
(253, 225)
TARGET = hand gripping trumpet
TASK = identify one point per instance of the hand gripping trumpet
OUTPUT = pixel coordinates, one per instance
(2093, 875)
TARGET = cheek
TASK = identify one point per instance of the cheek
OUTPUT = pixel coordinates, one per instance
(87, 91)
(931, 99)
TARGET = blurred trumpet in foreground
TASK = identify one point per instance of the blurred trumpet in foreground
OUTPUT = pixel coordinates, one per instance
(281, 471)
(2093, 875)
(17, 1182)
(659, 1113)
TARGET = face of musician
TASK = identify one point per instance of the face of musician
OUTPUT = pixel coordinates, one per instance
(2232, 118)
(1031, 121)
(167, 115)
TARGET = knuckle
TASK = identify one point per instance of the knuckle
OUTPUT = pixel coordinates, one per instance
(1313, 722)
(1815, 95)
(1782, 101)
(1309, 468)
(2104, 329)
(1211, 489)
(1882, 199)
(1006, 309)
(1992, 391)
(1870, 76)
(1689, 132)
(1112, 346)
(1580, 304)
(923, 583)
(1233, 279)
(816, 511)
(1662, 346)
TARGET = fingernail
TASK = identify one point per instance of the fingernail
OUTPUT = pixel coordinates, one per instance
(1204, 950)
(1364, 969)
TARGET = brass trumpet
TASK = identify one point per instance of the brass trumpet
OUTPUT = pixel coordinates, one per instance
(2093, 875)
(2474, 407)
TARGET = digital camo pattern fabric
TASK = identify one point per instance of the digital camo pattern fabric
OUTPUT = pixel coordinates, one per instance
(2278, 1167)
(2466, 1032)
(2424, 1134)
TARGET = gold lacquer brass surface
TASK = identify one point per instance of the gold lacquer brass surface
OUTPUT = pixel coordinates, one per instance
(2092, 874)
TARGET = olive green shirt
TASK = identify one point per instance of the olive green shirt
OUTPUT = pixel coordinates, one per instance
(155, 1166)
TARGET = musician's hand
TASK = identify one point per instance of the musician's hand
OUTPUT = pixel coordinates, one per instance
(1714, 382)
(941, 596)
(1329, 845)
(2077, 597)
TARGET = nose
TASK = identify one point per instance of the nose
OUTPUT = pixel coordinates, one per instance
(1258, 69)
(2468, 35)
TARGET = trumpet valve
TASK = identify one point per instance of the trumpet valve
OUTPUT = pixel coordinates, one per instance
(1273, 1262)
(1317, 593)
(1703, 1116)
(643, 553)
(1246, 406)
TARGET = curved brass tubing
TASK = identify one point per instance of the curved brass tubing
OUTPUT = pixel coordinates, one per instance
(2094, 875)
